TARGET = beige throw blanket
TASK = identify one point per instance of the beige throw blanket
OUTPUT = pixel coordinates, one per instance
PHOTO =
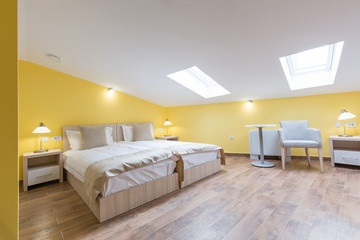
(97, 173)
(193, 148)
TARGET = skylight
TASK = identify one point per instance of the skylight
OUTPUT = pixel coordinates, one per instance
(312, 68)
(199, 82)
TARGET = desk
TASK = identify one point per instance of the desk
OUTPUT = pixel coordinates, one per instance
(261, 163)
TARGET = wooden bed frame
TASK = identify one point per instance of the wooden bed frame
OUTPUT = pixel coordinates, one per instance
(201, 171)
(125, 200)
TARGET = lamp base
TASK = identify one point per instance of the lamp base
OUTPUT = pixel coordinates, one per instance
(41, 151)
(345, 135)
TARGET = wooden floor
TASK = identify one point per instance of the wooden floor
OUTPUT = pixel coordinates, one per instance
(241, 202)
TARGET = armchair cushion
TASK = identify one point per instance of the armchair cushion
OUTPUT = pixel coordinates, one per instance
(301, 144)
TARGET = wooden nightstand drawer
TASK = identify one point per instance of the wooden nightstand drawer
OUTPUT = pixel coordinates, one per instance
(43, 174)
(347, 157)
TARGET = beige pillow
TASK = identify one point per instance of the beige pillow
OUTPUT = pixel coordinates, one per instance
(128, 132)
(143, 132)
(92, 136)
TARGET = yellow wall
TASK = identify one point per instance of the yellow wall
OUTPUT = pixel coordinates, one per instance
(215, 123)
(8, 121)
(58, 99)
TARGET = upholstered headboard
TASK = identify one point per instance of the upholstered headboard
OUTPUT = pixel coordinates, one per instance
(117, 132)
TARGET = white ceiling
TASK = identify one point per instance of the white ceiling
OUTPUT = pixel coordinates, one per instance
(131, 45)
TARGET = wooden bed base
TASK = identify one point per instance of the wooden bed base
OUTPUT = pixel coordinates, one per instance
(123, 201)
(120, 202)
(201, 171)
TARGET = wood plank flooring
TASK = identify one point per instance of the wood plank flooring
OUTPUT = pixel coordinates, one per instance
(240, 202)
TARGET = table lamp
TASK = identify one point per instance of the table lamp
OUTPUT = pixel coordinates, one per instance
(41, 129)
(166, 124)
(343, 116)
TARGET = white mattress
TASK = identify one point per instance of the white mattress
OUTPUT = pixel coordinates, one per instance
(76, 162)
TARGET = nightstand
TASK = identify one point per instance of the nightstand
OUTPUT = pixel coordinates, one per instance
(345, 150)
(169, 138)
(42, 167)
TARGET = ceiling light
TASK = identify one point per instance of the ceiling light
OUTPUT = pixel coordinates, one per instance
(110, 91)
(199, 82)
(312, 68)
(54, 58)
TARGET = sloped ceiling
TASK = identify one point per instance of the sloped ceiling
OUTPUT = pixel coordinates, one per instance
(131, 45)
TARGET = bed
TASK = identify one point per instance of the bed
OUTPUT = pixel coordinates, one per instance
(132, 188)
(196, 165)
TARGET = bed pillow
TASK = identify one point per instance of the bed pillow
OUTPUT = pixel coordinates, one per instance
(109, 137)
(92, 136)
(128, 132)
(74, 138)
(143, 132)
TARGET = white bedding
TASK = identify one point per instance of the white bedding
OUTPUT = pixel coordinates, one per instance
(190, 160)
(76, 162)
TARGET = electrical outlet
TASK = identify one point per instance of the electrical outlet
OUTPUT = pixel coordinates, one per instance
(231, 137)
(159, 129)
(45, 139)
(350, 124)
(57, 138)
(338, 124)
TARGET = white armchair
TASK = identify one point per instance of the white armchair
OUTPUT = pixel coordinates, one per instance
(297, 134)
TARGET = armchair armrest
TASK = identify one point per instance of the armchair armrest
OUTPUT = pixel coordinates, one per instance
(314, 135)
(282, 136)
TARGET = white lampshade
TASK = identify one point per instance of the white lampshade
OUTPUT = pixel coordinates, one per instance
(167, 123)
(41, 129)
(345, 115)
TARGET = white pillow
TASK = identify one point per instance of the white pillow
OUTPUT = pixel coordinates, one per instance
(128, 132)
(109, 138)
(74, 138)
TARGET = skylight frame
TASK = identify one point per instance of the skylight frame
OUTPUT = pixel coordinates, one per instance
(314, 76)
(199, 82)
(329, 60)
